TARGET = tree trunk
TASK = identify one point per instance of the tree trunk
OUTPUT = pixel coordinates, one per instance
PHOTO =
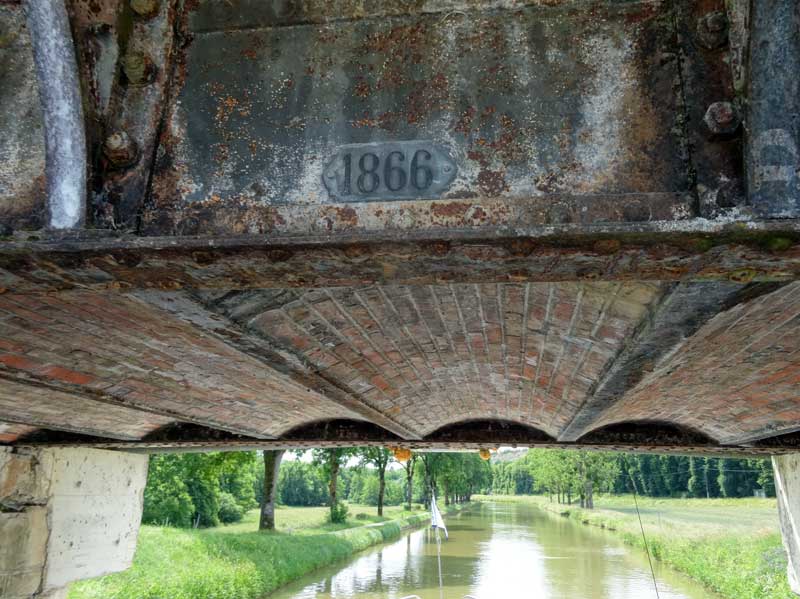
(272, 465)
(589, 492)
(410, 484)
(381, 489)
(334, 467)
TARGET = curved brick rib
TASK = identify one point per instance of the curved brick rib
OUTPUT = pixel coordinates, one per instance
(142, 357)
(735, 379)
(429, 356)
(682, 310)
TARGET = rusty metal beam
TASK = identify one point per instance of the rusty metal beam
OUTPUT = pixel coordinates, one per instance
(292, 368)
(697, 250)
(764, 437)
(204, 445)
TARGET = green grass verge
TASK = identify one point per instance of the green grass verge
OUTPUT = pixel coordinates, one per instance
(743, 559)
(313, 520)
(237, 562)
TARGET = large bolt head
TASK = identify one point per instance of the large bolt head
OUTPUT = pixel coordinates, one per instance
(120, 150)
(145, 8)
(722, 118)
(712, 30)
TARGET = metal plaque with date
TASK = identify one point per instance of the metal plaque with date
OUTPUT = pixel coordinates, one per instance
(389, 171)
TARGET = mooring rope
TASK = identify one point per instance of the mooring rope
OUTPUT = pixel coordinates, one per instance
(644, 537)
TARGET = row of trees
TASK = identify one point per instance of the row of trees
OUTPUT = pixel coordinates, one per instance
(455, 477)
(206, 489)
(568, 475)
(203, 490)
(199, 489)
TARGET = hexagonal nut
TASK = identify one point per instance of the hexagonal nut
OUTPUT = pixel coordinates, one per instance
(145, 8)
(712, 30)
(722, 118)
(120, 150)
(138, 68)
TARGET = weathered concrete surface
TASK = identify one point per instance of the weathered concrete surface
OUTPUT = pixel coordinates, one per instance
(95, 508)
(787, 485)
(22, 552)
(68, 514)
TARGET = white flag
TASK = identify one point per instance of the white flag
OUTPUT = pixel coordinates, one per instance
(436, 518)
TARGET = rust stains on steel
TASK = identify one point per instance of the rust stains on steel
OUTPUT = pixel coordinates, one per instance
(535, 99)
(624, 253)
(228, 445)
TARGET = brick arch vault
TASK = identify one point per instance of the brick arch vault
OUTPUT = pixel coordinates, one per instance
(571, 360)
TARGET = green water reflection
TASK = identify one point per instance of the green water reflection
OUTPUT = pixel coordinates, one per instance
(497, 551)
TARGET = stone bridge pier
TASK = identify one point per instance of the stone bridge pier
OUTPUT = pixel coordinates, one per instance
(66, 514)
(787, 486)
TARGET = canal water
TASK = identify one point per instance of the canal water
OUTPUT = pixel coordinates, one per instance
(498, 551)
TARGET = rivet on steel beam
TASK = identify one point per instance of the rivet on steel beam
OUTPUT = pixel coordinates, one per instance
(712, 30)
(145, 8)
(722, 118)
(120, 150)
(138, 68)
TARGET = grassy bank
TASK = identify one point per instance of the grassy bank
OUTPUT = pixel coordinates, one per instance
(238, 562)
(732, 546)
(314, 520)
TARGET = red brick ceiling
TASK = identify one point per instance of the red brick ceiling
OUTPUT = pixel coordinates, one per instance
(410, 359)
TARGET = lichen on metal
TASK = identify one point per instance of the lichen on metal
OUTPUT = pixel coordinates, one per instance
(22, 154)
(560, 102)
(773, 147)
